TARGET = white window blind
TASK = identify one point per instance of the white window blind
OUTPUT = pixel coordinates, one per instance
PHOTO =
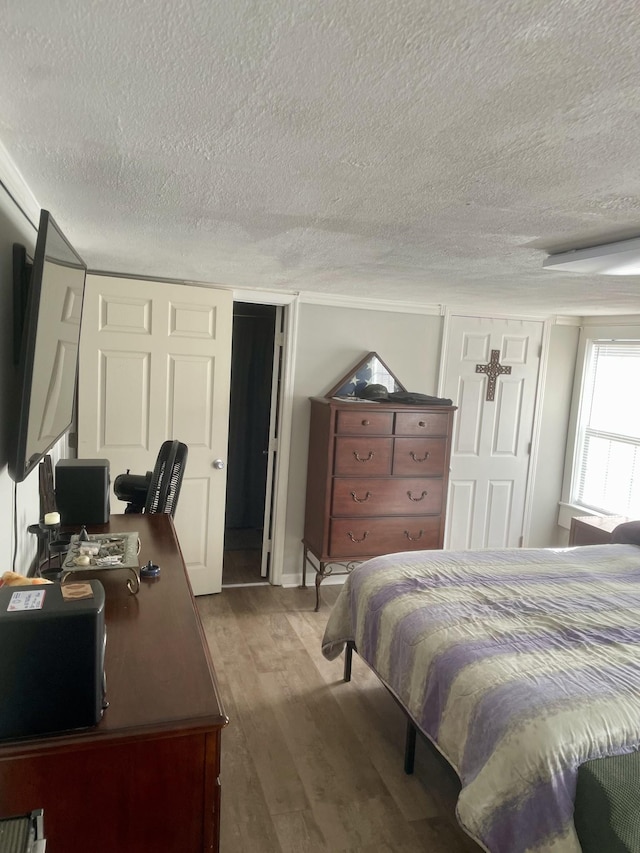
(607, 473)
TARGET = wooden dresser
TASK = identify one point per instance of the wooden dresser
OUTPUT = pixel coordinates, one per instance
(377, 480)
(146, 778)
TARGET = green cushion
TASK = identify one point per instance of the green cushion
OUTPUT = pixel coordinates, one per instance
(607, 807)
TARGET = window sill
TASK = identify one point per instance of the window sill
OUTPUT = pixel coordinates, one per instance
(567, 511)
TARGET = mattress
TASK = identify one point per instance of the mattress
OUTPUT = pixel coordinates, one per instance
(520, 665)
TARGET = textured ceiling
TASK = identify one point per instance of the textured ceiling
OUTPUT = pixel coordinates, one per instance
(413, 150)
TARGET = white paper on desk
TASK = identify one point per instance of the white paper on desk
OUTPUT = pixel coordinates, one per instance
(26, 600)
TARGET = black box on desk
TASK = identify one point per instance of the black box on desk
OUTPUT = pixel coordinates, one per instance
(52, 661)
(82, 491)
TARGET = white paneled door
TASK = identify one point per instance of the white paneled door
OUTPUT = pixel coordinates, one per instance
(155, 364)
(491, 373)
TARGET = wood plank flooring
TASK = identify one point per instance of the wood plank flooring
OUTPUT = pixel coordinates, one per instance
(311, 764)
(242, 567)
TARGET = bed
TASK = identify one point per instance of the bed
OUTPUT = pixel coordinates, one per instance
(520, 665)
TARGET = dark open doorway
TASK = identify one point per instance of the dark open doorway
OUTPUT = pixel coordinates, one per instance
(254, 330)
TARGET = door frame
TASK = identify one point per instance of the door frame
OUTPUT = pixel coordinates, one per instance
(290, 303)
(272, 443)
(547, 323)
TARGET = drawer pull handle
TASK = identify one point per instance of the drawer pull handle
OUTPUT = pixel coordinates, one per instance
(413, 538)
(365, 423)
(411, 497)
(363, 458)
(418, 458)
(365, 498)
(355, 539)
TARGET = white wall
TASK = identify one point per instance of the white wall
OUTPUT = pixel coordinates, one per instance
(557, 389)
(593, 328)
(330, 341)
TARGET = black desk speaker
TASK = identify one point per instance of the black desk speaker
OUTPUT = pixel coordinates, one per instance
(82, 491)
(52, 661)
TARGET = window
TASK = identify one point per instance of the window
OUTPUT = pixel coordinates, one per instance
(607, 470)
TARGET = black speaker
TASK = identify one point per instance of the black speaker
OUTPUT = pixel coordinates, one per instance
(82, 491)
(52, 661)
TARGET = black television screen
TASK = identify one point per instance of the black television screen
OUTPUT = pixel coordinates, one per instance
(48, 331)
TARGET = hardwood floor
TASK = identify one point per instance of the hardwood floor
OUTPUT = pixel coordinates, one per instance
(310, 763)
(242, 567)
(242, 557)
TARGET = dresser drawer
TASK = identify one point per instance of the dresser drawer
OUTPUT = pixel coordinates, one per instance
(362, 537)
(422, 423)
(363, 457)
(419, 457)
(365, 423)
(406, 496)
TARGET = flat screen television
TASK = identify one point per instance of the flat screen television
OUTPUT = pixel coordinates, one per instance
(48, 295)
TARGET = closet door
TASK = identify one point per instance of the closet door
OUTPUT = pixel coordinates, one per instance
(493, 431)
(155, 364)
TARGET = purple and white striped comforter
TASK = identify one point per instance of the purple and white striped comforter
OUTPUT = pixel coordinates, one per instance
(519, 664)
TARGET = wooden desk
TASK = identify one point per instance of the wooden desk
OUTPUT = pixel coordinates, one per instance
(593, 529)
(146, 777)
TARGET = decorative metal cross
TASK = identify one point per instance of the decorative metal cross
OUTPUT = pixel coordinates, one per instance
(493, 370)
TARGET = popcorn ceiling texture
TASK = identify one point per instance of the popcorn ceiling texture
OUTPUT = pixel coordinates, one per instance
(415, 150)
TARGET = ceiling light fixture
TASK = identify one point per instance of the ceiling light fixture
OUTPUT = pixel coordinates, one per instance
(621, 258)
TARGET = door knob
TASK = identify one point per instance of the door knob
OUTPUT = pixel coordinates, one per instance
(218, 463)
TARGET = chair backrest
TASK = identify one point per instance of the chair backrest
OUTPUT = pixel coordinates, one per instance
(166, 479)
(627, 533)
